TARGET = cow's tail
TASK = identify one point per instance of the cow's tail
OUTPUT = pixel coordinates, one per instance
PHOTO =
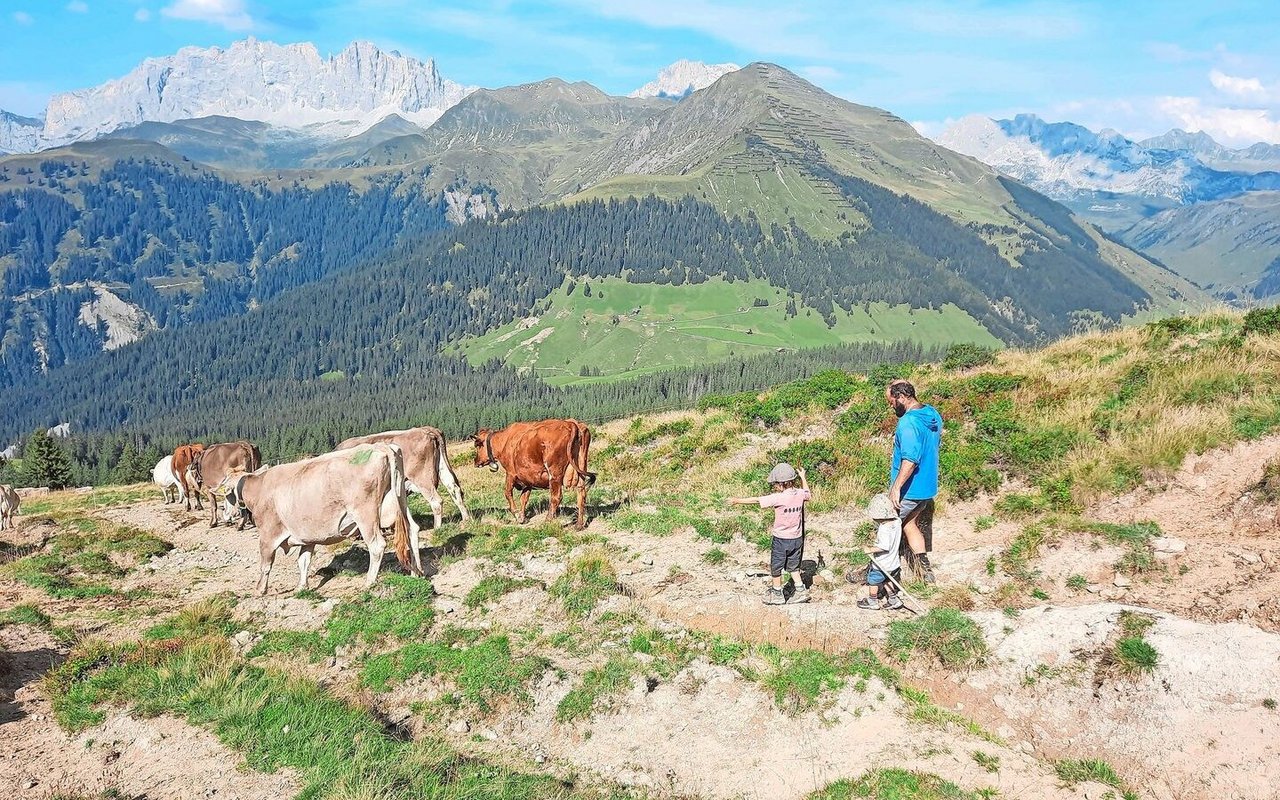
(578, 450)
(400, 526)
(446, 475)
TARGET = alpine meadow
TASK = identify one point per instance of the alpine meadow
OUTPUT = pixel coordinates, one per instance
(374, 427)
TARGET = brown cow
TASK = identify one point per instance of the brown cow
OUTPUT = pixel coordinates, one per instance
(550, 454)
(214, 463)
(426, 464)
(8, 506)
(346, 494)
(183, 457)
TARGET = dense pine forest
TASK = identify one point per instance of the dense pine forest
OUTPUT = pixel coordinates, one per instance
(211, 246)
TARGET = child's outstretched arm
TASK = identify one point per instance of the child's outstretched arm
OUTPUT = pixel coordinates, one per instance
(804, 482)
(742, 501)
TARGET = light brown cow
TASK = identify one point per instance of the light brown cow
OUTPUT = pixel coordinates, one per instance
(8, 506)
(358, 492)
(426, 465)
(216, 462)
(550, 454)
(183, 457)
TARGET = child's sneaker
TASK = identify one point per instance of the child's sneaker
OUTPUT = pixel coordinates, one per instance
(773, 597)
(893, 602)
(869, 604)
(800, 595)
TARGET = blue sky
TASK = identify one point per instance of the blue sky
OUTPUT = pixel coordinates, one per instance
(1139, 67)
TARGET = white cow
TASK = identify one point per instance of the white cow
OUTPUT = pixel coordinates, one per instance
(8, 506)
(164, 476)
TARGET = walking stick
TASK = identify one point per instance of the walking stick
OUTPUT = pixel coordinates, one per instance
(923, 609)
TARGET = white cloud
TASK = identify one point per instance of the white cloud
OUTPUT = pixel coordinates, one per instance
(1241, 87)
(229, 14)
(23, 18)
(78, 7)
(142, 15)
(1231, 126)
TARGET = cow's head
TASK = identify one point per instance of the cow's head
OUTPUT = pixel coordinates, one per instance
(232, 501)
(484, 449)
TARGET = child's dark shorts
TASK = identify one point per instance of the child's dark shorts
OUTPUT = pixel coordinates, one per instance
(785, 556)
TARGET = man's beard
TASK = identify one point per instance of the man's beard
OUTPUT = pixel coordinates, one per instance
(899, 409)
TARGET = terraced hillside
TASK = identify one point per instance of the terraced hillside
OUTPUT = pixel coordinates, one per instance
(1086, 637)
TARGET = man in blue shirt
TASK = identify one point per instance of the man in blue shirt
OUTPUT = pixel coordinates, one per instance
(913, 476)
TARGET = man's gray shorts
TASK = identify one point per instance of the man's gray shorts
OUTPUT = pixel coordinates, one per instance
(922, 512)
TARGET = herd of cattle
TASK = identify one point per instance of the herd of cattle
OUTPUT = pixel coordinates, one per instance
(359, 490)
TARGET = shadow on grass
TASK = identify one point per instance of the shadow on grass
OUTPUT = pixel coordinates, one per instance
(355, 560)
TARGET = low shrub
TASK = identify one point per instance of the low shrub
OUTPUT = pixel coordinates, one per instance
(968, 356)
(944, 633)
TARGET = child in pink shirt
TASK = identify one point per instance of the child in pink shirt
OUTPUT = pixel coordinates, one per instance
(787, 502)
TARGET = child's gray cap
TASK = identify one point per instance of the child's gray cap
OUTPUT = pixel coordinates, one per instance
(782, 473)
(879, 508)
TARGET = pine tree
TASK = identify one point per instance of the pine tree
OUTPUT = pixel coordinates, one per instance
(45, 463)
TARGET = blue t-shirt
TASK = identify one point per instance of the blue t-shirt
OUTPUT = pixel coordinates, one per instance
(917, 438)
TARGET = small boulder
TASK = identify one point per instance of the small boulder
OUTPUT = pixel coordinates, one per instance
(1168, 544)
(1123, 581)
(459, 726)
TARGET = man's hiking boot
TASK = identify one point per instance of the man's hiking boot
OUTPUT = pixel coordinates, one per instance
(927, 577)
(893, 602)
(800, 595)
(773, 597)
(869, 604)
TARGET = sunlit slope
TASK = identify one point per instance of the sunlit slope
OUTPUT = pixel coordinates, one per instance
(625, 329)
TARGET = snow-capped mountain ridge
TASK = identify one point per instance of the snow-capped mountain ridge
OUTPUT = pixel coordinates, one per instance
(1070, 162)
(289, 86)
(679, 80)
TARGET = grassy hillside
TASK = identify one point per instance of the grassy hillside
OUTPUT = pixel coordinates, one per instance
(625, 329)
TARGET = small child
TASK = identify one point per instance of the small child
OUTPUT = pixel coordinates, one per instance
(885, 553)
(787, 502)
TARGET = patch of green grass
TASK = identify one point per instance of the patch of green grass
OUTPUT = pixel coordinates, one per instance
(1077, 583)
(277, 721)
(280, 642)
(893, 784)
(984, 522)
(85, 554)
(714, 556)
(491, 587)
(211, 616)
(589, 578)
(944, 633)
(1134, 537)
(485, 670)
(1269, 704)
(1074, 770)
(988, 762)
(1135, 655)
(25, 614)
(1017, 556)
(800, 678)
(598, 686)
(508, 542)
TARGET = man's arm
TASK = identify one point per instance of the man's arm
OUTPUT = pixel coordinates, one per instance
(904, 474)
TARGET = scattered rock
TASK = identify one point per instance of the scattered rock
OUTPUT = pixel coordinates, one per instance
(1169, 545)
(1093, 588)
(489, 735)
(1123, 581)
(985, 589)
(647, 561)
(1250, 558)
(459, 726)
(827, 576)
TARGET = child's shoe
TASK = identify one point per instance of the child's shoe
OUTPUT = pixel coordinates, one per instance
(869, 604)
(800, 595)
(773, 597)
(893, 602)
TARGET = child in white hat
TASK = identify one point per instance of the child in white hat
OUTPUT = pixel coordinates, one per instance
(885, 561)
(790, 492)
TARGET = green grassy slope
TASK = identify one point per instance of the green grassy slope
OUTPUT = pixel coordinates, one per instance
(692, 324)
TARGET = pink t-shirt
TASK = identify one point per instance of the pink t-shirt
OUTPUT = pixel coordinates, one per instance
(788, 511)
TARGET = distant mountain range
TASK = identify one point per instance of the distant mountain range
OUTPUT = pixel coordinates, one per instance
(857, 227)
(1207, 211)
